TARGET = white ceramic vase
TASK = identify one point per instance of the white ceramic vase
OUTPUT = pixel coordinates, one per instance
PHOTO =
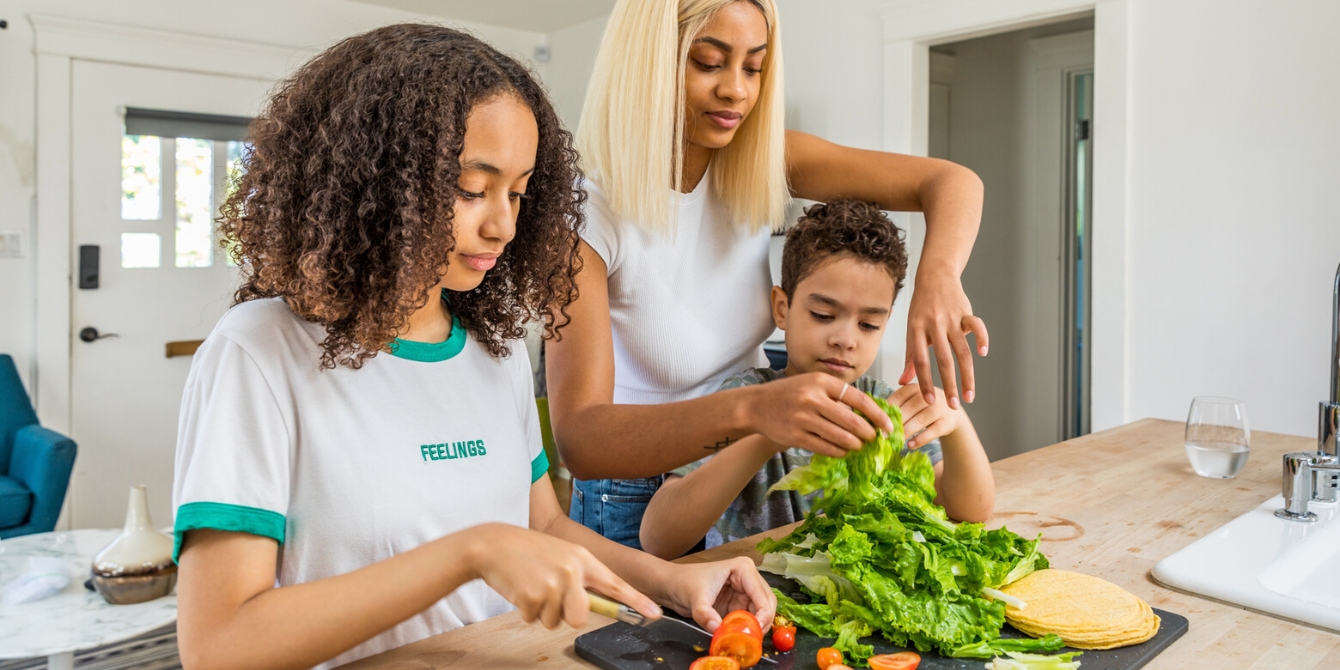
(137, 566)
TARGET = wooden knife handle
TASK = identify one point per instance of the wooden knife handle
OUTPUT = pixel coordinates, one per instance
(613, 610)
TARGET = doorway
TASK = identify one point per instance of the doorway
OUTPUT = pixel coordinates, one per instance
(1016, 107)
(152, 150)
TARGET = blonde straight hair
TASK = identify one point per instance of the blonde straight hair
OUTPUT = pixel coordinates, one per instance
(631, 135)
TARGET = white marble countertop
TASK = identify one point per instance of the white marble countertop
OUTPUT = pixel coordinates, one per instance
(77, 618)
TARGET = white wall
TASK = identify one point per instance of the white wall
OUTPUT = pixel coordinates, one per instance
(302, 25)
(1234, 226)
(572, 57)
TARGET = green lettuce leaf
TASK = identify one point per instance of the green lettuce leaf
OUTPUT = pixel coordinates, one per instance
(877, 555)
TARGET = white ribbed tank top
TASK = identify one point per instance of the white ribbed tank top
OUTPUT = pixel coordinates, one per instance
(687, 309)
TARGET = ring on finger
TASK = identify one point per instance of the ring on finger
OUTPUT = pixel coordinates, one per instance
(844, 392)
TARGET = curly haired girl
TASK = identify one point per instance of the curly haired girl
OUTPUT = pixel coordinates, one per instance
(358, 459)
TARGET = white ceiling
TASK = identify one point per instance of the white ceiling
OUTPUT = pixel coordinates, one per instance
(538, 15)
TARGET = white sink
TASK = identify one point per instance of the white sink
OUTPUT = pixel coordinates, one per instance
(1265, 563)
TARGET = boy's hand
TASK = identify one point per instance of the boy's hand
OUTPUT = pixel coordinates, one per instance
(709, 591)
(923, 421)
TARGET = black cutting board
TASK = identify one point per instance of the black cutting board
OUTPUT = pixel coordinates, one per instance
(620, 646)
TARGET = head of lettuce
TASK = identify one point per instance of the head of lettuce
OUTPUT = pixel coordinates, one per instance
(877, 554)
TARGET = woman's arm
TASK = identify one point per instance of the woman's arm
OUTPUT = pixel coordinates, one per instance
(231, 615)
(951, 197)
(705, 591)
(685, 508)
(600, 439)
(964, 483)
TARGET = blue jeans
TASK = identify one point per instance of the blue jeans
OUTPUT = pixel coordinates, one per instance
(613, 507)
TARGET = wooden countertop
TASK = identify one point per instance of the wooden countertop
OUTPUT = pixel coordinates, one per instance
(1110, 504)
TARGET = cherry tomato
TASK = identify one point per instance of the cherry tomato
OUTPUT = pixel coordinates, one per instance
(903, 660)
(741, 646)
(740, 621)
(783, 637)
(828, 657)
(715, 663)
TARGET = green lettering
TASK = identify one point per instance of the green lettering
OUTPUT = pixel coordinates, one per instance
(437, 451)
(481, 448)
(471, 449)
(424, 450)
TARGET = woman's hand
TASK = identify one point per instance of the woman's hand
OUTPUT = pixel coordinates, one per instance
(941, 316)
(923, 421)
(708, 591)
(813, 411)
(546, 578)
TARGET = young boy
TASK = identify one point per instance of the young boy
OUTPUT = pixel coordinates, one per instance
(842, 267)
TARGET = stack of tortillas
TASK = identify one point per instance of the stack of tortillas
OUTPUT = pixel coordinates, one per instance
(1086, 612)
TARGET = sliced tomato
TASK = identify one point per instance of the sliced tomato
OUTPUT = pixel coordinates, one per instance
(715, 663)
(783, 637)
(740, 646)
(839, 666)
(828, 657)
(903, 660)
(740, 621)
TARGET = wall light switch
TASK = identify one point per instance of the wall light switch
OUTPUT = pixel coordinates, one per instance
(11, 244)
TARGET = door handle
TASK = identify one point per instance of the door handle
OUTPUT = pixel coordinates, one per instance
(91, 334)
(183, 348)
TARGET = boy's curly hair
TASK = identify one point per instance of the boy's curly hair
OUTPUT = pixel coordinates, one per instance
(345, 205)
(842, 226)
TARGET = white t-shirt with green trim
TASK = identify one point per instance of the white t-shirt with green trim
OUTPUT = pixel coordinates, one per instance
(345, 468)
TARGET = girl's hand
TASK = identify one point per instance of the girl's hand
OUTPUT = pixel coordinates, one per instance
(922, 421)
(814, 412)
(941, 316)
(546, 578)
(708, 591)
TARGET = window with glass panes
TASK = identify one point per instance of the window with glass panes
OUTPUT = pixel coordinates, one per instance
(176, 169)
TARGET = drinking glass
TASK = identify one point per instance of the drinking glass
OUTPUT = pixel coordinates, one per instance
(1217, 437)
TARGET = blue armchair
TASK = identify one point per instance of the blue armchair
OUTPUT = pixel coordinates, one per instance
(35, 462)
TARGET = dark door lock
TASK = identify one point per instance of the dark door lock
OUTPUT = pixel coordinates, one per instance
(90, 334)
(88, 266)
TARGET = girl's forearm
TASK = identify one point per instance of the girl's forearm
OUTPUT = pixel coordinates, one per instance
(966, 486)
(305, 624)
(685, 508)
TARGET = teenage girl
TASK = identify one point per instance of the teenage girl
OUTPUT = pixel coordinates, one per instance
(359, 463)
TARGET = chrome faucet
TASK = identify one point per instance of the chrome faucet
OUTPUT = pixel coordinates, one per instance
(1328, 425)
(1315, 476)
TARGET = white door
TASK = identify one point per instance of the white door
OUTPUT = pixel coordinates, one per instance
(148, 204)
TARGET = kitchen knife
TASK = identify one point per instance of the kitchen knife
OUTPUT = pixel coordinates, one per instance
(665, 627)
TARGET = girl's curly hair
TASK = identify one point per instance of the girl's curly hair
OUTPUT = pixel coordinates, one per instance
(344, 208)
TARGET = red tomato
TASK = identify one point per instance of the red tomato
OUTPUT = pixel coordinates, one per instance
(740, 621)
(741, 646)
(783, 637)
(715, 663)
(903, 660)
(828, 657)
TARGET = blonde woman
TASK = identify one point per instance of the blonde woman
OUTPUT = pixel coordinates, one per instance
(689, 169)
